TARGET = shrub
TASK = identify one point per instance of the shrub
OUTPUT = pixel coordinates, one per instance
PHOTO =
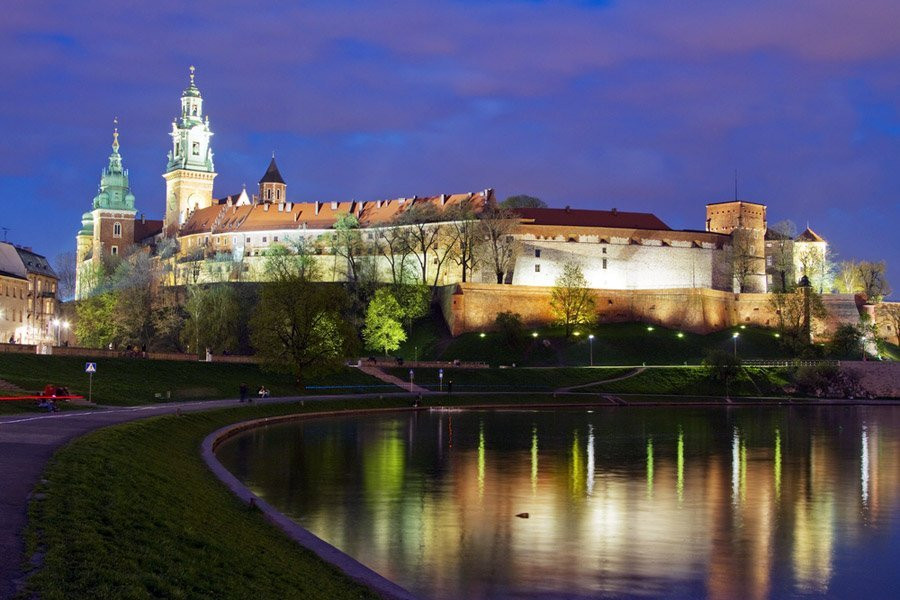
(511, 328)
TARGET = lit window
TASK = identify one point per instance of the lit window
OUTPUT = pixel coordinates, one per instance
(117, 230)
(537, 268)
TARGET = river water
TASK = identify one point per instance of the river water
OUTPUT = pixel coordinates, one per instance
(743, 502)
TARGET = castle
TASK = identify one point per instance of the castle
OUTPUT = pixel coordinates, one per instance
(620, 252)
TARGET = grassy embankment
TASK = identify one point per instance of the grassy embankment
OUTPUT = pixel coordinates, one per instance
(696, 381)
(127, 381)
(614, 344)
(509, 380)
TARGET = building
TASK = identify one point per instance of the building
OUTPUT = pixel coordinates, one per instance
(28, 303)
(225, 238)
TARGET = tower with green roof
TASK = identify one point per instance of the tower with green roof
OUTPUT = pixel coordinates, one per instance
(190, 170)
(107, 230)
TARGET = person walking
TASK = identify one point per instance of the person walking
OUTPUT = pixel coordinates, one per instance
(244, 390)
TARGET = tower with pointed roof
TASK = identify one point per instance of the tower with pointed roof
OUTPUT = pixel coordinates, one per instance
(272, 187)
(190, 170)
(107, 230)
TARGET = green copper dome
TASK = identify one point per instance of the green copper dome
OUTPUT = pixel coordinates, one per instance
(87, 224)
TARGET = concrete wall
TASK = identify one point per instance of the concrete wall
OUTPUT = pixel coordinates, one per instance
(474, 306)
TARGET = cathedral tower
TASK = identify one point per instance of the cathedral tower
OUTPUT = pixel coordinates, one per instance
(272, 187)
(190, 171)
(107, 230)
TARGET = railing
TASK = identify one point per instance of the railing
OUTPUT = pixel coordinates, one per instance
(792, 362)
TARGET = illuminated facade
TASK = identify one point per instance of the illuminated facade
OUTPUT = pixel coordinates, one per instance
(28, 296)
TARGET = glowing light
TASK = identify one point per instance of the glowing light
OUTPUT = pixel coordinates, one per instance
(864, 467)
(743, 327)
(679, 334)
(534, 334)
(679, 462)
(534, 460)
(734, 335)
(778, 335)
(481, 335)
(481, 459)
(778, 463)
(577, 333)
(735, 465)
(591, 336)
(650, 328)
(590, 459)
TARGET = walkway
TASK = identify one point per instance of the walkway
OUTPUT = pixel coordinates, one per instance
(631, 373)
(27, 441)
(403, 385)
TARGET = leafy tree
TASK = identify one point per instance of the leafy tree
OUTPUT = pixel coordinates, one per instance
(383, 330)
(134, 283)
(847, 280)
(873, 282)
(789, 309)
(523, 201)
(298, 326)
(571, 302)
(213, 318)
(722, 367)
(167, 317)
(511, 328)
(498, 225)
(783, 234)
(94, 322)
(414, 300)
(846, 342)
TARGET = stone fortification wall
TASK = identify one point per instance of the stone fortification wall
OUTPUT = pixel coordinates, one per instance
(474, 306)
(879, 378)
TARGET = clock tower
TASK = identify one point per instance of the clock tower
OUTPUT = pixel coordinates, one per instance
(190, 171)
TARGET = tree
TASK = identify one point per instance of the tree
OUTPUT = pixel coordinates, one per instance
(383, 330)
(414, 300)
(872, 280)
(783, 234)
(65, 266)
(743, 257)
(347, 242)
(134, 283)
(213, 318)
(722, 367)
(816, 263)
(423, 233)
(511, 328)
(846, 342)
(890, 315)
(167, 317)
(468, 238)
(498, 225)
(298, 326)
(94, 320)
(789, 309)
(571, 301)
(847, 279)
(523, 201)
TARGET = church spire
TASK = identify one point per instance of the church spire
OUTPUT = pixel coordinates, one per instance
(115, 191)
(115, 144)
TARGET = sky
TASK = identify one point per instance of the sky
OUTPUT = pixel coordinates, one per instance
(642, 105)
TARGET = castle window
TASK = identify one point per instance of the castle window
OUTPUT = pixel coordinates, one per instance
(278, 194)
(537, 268)
(604, 263)
(603, 251)
(265, 239)
(248, 239)
(117, 230)
(268, 194)
(195, 148)
(114, 250)
(537, 252)
(275, 238)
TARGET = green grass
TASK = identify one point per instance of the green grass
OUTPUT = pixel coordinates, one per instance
(891, 351)
(614, 344)
(509, 379)
(695, 381)
(126, 381)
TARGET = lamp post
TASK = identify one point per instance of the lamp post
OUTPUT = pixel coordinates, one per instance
(735, 336)
(591, 343)
(56, 323)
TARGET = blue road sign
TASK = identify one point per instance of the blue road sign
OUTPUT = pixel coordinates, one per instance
(90, 367)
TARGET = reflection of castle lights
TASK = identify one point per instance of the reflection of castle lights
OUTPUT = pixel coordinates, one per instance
(735, 465)
(778, 464)
(864, 467)
(480, 460)
(534, 460)
(679, 461)
(590, 460)
(649, 467)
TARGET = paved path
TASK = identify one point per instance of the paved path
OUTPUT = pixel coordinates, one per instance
(387, 378)
(584, 385)
(27, 441)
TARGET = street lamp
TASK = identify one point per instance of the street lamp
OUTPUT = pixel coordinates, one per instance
(734, 336)
(58, 323)
(591, 341)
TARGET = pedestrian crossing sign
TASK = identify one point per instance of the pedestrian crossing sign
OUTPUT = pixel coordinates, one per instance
(90, 367)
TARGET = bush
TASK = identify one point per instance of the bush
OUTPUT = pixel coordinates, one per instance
(846, 343)
(511, 328)
(827, 382)
(722, 366)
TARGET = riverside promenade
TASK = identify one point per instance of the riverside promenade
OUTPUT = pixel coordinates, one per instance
(27, 441)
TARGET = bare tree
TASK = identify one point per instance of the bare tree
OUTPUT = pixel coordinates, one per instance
(743, 257)
(817, 264)
(347, 242)
(66, 269)
(422, 233)
(783, 236)
(392, 242)
(469, 238)
(848, 278)
(498, 226)
(872, 280)
(789, 308)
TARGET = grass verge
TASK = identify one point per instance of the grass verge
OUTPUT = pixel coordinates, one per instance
(695, 381)
(510, 379)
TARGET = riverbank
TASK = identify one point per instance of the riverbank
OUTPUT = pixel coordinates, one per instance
(133, 510)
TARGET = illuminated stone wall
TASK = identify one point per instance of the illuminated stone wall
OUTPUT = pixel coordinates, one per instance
(474, 306)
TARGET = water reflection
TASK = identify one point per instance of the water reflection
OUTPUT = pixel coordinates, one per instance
(746, 502)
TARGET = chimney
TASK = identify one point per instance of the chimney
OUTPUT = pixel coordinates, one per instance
(615, 210)
(266, 207)
(334, 205)
(143, 219)
(443, 199)
(280, 207)
(378, 204)
(289, 206)
(568, 208)
(318, 207)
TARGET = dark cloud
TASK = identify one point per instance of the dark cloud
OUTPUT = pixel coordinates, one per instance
(645, 105)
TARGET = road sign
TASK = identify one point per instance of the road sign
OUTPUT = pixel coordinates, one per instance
(90, 367)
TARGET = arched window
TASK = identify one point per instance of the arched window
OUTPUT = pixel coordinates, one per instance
(268, 194)
(117, 230)
(278, 194)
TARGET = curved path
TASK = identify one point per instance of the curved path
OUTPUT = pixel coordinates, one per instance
(630, 373)
(27, 441)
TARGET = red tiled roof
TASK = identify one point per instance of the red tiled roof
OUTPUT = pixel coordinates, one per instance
(591, 218)
(809, 235)
(144, 228)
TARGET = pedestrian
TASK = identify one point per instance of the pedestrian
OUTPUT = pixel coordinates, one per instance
(449, 387)
(244, 390)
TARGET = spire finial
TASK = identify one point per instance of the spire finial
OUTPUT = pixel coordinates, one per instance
(115, 144)
(192, 74)
(273, 154)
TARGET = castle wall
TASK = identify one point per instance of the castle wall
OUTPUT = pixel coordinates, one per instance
(474, 306)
